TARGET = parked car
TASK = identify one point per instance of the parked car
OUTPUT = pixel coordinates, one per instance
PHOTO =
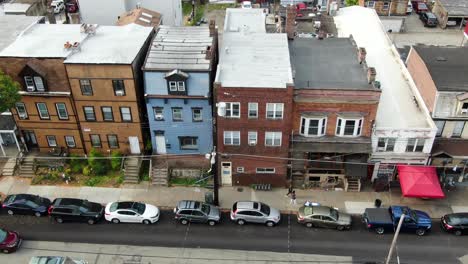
(10, 241)
(451, 23)
(455, 223)
(299, 8)
(131, 212)
(428, 19)
(56, 260)
(323, 216)
(27, 204)
(76, 210)
(198, 212)
(382, 220)
(246, 4)
(58, 6)
(420, 7)
(254, 212)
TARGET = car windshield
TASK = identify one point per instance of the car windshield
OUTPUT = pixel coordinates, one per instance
(413, 215)
(139, 207)
(453, 220)
(9, 199)
(308, 210)
(205, 208)
(32, 204)
(265, 209)
(334, 213)
(3, 235)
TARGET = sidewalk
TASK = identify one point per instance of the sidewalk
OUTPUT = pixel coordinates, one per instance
(351, 202)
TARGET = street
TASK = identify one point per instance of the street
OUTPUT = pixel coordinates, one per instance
(288, 237)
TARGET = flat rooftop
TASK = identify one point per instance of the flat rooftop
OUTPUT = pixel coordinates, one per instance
(447, 66)
(256, 60)
(238, 19)
(181, 48)
(331, 63)
(11, 26)
(15, 8)
(455, 7)
(397, 108)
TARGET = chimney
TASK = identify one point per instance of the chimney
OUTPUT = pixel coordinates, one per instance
(291, 21)
(371, 73)
(362, 55)
(212, 27)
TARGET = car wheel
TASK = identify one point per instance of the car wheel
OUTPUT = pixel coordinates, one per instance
(10, 212)
(115, 221)
(91, 221)
(212, 223)
(458, 233)
(241, 222)
(184, 221)
(309, 225)
(37, 214)
(270, 224)
(146, 222)
(380, 230)
(340, 228)
(420, 232)
(59, 220)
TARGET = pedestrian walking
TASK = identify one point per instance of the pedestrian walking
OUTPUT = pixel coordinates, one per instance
(290, 190)
(293, 197)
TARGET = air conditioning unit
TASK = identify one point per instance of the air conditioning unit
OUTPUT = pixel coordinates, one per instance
(119, 93)
(30, 88)
(252, 142)
(464, 111)
(159, 117)
(22, 116)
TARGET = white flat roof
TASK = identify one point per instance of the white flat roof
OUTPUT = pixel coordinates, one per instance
(11, 26)
(15, 8)
(239, 19)
(257, 60)
(397, 107)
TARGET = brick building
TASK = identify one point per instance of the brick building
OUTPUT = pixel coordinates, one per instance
(386, 8)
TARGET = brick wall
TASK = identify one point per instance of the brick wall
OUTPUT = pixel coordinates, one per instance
(421, 76)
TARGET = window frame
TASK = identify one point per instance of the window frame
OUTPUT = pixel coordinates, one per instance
(192, 146)
(155, 108)
(251, 109)
(36, 78)
(85, 115)
(32, 87)
(231, 105)
(48, 138)
(200, 119)
(250, 133)
(181, 86)
(91, 140)
(443, 122)
(386, 141)
(83, 87)
(369, 6)
(108, 136)
(104, 116)
(274, 138)
(39, 111)
(386, 8)
(274, 117)
(26, 115)
(458, 135)
(231, 138)
(116, 86)
(172, 86)
(129, 113)
(181, 119)
(415, 145)
(265, 170)
(66, 141)
(341, 126)
(58, 111)
(321, 129)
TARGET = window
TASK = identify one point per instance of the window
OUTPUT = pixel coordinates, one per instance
(34, 83)
(274, 110)
(21, 109)
(29, 83)
(95, 141)
(107, 114)
(440, 124)
(61, 111)
(126, 114)
(240, 169)
(386, 5)
(70, 141)
(43, 112)
(386, 144)
(86, 88)
(158, 113)
(197, 115)
(119, 87)
(273, 139)
(232, 138)
(464, 108)
(313, 126)
(415, 144)
(458, 129)
(112, 141)
(188, 142)
(181, 86)
(252, 136)
(233, 110)
(177, 114)
(253, 110)
(265, 170)
(349, 127)
(89, 113)
(173, 86)
(51, 141)
(371, 4)
(39, 83)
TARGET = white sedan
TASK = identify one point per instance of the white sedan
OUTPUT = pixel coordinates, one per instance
(131, 212)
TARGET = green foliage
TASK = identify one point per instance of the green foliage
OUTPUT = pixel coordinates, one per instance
(148, 145)
(93, 181)
(98, 165)
(76, 164)
(116, 160)
(144, 171)
(120, 179)
(86, 171)
(9, 95)
(351, 2)
(211, 7)
(186, 8)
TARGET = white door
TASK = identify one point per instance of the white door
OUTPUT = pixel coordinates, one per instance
(134, 145)
(160, 144)
(226, 173)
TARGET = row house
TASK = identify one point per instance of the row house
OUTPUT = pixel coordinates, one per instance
(440, 76)
(403, 132)
(178, 73)
(386, 7)
(335, 106)
(253, 91)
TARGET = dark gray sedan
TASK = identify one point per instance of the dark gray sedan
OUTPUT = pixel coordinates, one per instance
(323, 216)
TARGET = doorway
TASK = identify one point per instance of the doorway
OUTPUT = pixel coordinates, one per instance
(226, 173)
(31, 140)
(160, 144)
(134, 145)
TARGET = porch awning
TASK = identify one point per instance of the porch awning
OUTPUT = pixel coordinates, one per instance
(419, 181)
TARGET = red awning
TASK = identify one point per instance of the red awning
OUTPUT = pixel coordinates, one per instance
(419, 181)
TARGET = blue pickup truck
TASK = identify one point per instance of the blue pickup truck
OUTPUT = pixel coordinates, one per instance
(383, 220)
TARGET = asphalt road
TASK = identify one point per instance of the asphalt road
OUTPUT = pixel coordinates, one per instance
(288, 236)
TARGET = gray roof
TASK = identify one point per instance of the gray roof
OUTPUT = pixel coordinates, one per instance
(181, 48)
(447, 66)
(7, 122)
(455, 7)
(11, 26)
(330, 63)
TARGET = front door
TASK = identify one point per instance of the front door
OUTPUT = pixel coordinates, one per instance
(30, 139)
(160, 144)
(226, 173)
(134, 145)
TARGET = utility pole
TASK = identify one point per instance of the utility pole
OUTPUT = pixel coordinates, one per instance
(397, 232)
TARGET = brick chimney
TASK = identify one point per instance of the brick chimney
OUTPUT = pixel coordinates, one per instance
(212, 27)
(371, 73)
(362, 55)
(291, 21)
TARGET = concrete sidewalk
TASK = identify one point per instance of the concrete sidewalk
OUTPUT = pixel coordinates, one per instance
(352, 202)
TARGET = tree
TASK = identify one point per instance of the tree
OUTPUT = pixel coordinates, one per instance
(8, 92)
(351, 2)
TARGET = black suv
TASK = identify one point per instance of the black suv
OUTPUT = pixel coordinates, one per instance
(428, 19)
(26, 204)
(455, 223)
(76, 210)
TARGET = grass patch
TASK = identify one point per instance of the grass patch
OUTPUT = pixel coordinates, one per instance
(188, 182)
(186, 8)
(211, 7)
(144, 171)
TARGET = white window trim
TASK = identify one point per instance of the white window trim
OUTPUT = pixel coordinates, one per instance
(38, 79)
(58, 112)
(230, 108)
(384, 148)
(458, 135)
(129, 113)
(340, 130)
(230, 135)
(181, 114)
(173, 86)
(193, 114)
(274, 133)
(158, 117)
(415, 144)
(181, 86)
(48, 141)
(274, 111)
(371, 6)
(251, 108)
(322, 126)
(249, 140)
(240, 169)
(67, 141)
(22, 115)
(29, 88)
(39, 111)
(272, 170)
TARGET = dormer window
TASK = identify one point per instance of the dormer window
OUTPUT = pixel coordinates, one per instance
(34, 76)
(34, 83)
(176, 82)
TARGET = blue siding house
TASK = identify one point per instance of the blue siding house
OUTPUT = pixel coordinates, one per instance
(178, 75)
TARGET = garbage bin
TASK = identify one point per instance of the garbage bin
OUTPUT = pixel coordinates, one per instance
(209, 197)
(378, 203)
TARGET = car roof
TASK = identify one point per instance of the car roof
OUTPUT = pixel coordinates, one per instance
(68, 201)
(188, 204)
(125, 205)
(247, 205)
(430, 15)
(320, 210)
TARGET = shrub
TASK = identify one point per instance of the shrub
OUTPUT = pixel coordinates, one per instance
(98, 165)
(116, 160)
(93, 181)
(86, 171)
(76, 164)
